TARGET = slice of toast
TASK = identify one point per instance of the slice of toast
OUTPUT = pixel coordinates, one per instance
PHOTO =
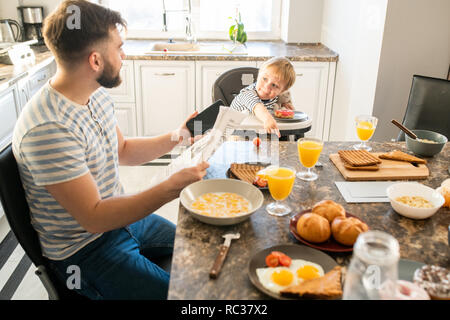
(401, 156)
(358, 158)
(244, 171)
(326, 287)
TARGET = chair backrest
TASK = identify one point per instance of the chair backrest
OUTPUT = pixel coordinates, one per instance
(15, 206)
(231, 82)
(428, 106)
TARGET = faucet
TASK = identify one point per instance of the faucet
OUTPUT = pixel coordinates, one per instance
(188, 22)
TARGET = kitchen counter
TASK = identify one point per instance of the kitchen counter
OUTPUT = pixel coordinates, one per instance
(10, 73)
(256, 51)
(197, 244)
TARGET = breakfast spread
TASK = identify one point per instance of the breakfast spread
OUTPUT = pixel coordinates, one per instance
(327, 286)
(280, 277)
(221, 204)
(284, 113)
(434, 280)
(415, 201)
(328, 218)
(402, 156)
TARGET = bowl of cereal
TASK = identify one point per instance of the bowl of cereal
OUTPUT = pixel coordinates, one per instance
(221, 202)
(428, 143)
(414, 200)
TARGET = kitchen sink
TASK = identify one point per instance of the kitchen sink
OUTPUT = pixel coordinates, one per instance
(175, 46)
(186, 48)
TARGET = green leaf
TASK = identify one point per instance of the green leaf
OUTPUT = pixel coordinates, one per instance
(240, 30)
(243, 38)
(232, 33)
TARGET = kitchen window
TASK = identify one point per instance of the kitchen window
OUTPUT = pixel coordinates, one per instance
(210, 18)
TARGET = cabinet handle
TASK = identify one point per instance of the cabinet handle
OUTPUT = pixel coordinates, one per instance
(299, 74)
(165, 74)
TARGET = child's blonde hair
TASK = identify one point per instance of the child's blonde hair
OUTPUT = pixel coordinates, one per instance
(282, 68)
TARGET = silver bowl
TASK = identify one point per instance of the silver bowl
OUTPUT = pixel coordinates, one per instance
(190, 193)
(424, 148)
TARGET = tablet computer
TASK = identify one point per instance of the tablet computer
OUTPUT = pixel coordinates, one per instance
(204, 120)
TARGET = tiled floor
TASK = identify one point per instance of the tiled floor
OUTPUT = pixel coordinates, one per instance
(17, 278)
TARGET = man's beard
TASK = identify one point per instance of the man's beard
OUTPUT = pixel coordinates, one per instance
(107, 79)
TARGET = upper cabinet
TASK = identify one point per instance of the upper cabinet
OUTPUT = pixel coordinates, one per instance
(165, 95)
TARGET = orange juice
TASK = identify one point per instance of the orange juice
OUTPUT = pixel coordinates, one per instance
(309, 152)
(281, 181)
(365, 130)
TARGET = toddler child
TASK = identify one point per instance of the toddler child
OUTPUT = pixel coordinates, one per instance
(275, 77)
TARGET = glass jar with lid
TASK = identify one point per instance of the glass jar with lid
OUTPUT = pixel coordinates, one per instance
(373, 269)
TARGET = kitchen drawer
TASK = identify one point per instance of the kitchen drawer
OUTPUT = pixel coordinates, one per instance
(38, 79)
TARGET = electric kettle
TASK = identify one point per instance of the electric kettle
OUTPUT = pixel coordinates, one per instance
(6, 31)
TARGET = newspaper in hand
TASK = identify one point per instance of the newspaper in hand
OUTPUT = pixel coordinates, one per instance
(227, 121)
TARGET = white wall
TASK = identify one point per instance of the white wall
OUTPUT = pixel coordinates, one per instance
(353, 29)
(8, 8)
(301, 21)
(416, 41)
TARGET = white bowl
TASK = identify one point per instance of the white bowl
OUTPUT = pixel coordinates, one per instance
(414, 189)
(190, 193)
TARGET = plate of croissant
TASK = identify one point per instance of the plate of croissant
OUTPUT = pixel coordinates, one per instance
(328, 227)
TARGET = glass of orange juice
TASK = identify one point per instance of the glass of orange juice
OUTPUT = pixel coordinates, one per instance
(365, 127)
(281, 181)
(309, 150)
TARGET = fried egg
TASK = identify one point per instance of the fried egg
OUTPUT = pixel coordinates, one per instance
(276, 279)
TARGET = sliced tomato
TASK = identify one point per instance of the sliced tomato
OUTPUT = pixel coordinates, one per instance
(283, 258)
(261, 183)
(272, 261)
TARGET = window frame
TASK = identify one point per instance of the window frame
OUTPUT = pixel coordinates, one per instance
(274, 34)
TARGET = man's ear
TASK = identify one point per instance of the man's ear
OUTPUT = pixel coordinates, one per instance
(95, 61)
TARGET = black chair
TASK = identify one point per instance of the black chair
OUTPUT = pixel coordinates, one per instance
(17, 212)
(428, 106)
(231, 82)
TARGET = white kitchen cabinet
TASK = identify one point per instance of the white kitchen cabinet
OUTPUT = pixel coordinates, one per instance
(165, 95)
(125, 91)
(9, 108)
(312, 93)
(207, 72)
(126, 118)
(124, 98)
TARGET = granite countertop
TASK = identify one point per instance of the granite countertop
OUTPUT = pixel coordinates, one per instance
(197, 244)
(9, 74)
(256, 51)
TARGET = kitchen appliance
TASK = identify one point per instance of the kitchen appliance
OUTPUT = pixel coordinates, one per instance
(17, 53)
(32, 18)
(7, 34)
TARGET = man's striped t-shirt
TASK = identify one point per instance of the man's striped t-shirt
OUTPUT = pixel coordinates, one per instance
(57, 140)
(248, 98)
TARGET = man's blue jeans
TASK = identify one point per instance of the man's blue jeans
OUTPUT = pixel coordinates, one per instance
(118, 265)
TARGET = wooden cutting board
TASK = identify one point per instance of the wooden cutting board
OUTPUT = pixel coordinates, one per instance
(389, 170)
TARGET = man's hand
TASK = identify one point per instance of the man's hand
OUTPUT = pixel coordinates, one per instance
(183, 135)
(185, 177)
